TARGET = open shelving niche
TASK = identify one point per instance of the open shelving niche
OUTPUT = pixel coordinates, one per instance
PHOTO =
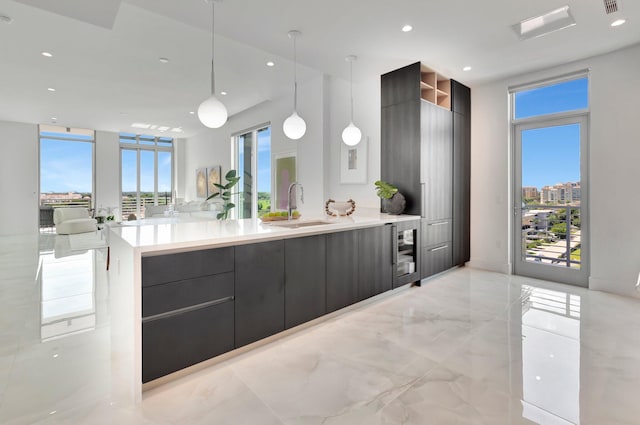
(434, 87)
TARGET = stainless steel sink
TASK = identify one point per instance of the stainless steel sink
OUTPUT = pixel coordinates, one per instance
(294, 224)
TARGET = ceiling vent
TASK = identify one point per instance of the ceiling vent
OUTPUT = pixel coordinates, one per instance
(611, 6)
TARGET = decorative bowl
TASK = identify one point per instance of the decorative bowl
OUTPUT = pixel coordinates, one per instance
(339, 208)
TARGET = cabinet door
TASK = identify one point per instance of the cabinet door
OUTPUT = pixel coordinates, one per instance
(305, 279)
(179, 341)
(342, 269)
(401, 151)
(460, 98)
(259, 298)
(437, 161)
(400, 86)
(436, 259)
(374, 261)
(166, 268)
(461, 188)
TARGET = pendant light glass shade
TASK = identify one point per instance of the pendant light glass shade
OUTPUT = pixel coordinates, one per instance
(294, 127)
(212, 113)
(351, 135)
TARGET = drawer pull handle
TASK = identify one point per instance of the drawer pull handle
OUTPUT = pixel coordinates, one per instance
(183, 310)
(442, 223)
(439, 248)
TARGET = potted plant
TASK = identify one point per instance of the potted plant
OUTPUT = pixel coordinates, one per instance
(225, 194)
(393, 202)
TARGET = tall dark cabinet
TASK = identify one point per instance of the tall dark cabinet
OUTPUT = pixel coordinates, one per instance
(425, 122)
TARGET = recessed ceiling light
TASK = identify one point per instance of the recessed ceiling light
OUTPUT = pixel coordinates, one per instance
(164, 60)
(224, 93)
(177, 130)
(192, 112)
(51, 89)
(549, 22)
(54, 119)
(46, 54)
(5, 19)
(271, 63)
(466, 68)
(618, 22)
(140, 125)
(407, 28)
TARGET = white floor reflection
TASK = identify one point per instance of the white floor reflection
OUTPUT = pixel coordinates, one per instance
(550, 356)
(67, 287)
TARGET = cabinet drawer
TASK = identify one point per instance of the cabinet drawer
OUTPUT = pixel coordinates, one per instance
(159, 299)
(435, 232)
(161, 269)
(180, 341)
(436, 259)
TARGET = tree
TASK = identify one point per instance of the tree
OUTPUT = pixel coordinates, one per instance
(560, 229)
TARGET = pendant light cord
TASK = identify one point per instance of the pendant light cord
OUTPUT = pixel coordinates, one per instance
(213, 73)
(351, 79)
(295, 76)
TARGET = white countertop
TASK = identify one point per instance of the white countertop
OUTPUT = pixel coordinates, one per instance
(179, 233)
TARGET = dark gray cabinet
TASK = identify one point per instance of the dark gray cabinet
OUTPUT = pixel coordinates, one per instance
(461, 97)
(305, 279)
(374, 261)
(185, 265)
(436, 161)
(187, 309)
(259, 291)
(429, 161)
(342, 269)
(175, 342)
(400, 125)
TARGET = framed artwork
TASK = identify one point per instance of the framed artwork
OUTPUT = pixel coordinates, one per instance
(353, 162)
(213, 176)
(201, 183)
(286, 173)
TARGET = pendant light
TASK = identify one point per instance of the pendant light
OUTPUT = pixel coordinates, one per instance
(212, 113)
(294, 127)
(351, 135)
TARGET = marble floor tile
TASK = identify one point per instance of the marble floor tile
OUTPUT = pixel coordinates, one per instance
(467, 347)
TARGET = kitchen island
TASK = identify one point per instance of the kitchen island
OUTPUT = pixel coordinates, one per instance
(187, 291)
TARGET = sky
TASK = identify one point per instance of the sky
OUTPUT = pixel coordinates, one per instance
(551, 155)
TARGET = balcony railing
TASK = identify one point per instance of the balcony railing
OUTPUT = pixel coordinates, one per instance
(129, 206)
(551, 234)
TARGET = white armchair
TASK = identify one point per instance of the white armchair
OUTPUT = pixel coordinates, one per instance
(73, 220)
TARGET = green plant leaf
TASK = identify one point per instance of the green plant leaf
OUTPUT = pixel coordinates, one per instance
(213, 196)
(230, 174)
(385, 190)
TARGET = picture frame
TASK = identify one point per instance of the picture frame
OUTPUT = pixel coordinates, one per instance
(201, 183)
(214, 176)
(286, 172)
(353, 162)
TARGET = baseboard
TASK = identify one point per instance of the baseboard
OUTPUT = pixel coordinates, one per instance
(490, 266)
(619, 285)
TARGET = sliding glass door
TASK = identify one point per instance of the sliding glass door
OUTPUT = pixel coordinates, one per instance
(252, 160)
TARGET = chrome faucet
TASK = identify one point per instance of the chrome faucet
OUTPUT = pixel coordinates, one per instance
(291, 205)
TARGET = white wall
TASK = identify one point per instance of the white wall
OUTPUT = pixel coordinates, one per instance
(366, 99)
(19, 178)
(213, 146)
(613, 162)
(107, 184)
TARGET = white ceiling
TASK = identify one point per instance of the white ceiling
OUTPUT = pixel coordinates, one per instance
(107, 75)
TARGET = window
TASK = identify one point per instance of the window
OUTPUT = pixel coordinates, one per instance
(551, 99)
(66, 168)
(251, 151)
(146, 166)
